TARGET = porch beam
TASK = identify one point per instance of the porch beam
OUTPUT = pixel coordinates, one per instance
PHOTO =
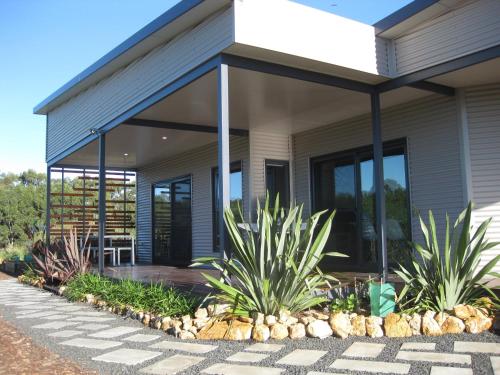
(102, 199)
(182, 126)
(378, 171)
(223, 153)
(296, 73)
(47, 207)
(439, 69)
(434, 87)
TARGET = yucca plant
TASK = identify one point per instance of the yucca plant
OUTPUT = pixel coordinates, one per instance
(439, 279)
(274, 263)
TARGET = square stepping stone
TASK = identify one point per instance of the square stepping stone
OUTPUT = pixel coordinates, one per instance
(91, 343)
(495, 365)
(302, 357)
(364, 350)
(88, 313)
(54, 325)
(90, 319)
(140, 337)
(127, 356)
(37, 315)
(441, 370)
(65, 333)
(56, 317)
(231, 369)
(93, 327)
(172, 365)
(69, 308)
(418, 346)
(184, 347)
(247, 357)
(476, 347)
(27, 312)
(260, 347)
(370, 366)
(323, 373)
(460, 359)
(115, 332)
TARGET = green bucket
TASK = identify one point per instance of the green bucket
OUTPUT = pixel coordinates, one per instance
(382, 298)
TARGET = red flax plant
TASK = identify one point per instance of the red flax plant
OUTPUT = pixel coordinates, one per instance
(59, 263)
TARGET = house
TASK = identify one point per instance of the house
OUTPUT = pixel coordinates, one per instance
(215, 102)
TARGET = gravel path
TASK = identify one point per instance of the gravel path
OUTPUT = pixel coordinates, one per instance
(332, 348)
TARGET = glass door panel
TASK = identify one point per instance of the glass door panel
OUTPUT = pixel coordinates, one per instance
(162, 219)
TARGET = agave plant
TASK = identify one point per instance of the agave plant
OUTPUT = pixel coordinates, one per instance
(439, 279)
(62, 263)
(274, 264)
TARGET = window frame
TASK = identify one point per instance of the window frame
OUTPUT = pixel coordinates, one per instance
(279, 163)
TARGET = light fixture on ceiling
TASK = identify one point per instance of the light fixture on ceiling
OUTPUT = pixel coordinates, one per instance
(125, 154)
(164, 138)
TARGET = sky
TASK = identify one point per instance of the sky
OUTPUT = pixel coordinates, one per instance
(45, 43)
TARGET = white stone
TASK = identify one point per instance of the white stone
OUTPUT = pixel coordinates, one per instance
(247, 357)
(69, 308)
(184, 347)
(441, 370)
(90, 319)
(461, 359)
(38, 315)
(56, 317)
(115, 332)
(65, 333)
(364, 350)
(127, 356)
(260, 347)
(418, 346)
(371, 366)
(495, 365)
(302, 357)
(93, 327)
(88, 313)
(319, 328)
(141, 338)
(91, 343)
(172, 365)
(54, 325)
(231, 369)
(477, 347)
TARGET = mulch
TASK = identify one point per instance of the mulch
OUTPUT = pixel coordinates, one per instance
(19, 355)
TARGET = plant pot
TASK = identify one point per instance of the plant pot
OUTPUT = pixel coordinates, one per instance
(382, 299)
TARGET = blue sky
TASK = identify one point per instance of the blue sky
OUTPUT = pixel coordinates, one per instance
(46, 43)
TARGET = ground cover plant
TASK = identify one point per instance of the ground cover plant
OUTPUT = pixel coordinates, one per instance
(154, 298)
(275, 263)
(440, 278)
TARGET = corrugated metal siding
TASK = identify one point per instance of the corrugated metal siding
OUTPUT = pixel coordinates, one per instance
(459, 32)
(483, 117)
(430, 126)
(99, 104)
(198, 163)
(264, 146)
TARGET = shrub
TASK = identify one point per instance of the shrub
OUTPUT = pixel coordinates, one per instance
(275, 265)
(154, 298)
(13, 252)
(348, 304)
(438, 280)
(31, 277)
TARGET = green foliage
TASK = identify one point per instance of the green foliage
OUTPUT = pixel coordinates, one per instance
(13, 252)
(154, 298)
(274, 265)
(349, 304)
(440, 279)
(30, 276)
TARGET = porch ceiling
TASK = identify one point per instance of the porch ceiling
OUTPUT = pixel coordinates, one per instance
(258, 101)
(479, 74)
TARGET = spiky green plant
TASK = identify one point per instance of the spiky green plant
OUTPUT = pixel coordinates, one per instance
(274, 263)
(441, 279)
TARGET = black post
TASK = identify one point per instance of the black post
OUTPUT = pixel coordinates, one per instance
(47, 207)
(62, 205)
(378, 171)
(102, 199)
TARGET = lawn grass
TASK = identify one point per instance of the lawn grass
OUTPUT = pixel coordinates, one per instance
(154, 298)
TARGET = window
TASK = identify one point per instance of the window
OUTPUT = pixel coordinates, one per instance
(277, 181)
(236, 197)
(345, 182)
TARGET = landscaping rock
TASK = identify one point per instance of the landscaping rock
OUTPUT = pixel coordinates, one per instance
(296, 331)
(415, 324)
(306, 319)
(319, 329)
(358, 324)
(239, 331)
(340, 324)
(374, 326)
(279, 331)
(186, 335)
(201, 313)
(283, 316)
(453, 324)
(441, 317)
(166, 323)
(257, 317)
(291, 321)
(261, 333)
(270, 320)
(464, 311)
(245, 319)
(214, 331)
(478, 323)
(157, 323)
(193, 330)
(430, 327)
(320, 315)
(89, 298)
(396, 326)
(200, 322)
(217, 309)
(146, 319)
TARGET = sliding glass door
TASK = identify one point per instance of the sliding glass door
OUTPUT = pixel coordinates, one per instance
(172, 222)
(344, 182)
